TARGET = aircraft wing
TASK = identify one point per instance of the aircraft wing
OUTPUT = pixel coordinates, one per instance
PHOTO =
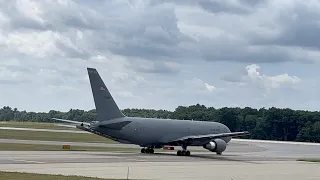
(70, 121)
(206, 138)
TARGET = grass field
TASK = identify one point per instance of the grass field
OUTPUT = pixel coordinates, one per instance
(46, 136)
(40, 147)
(32, 125)
(52, 136)
(31, 176)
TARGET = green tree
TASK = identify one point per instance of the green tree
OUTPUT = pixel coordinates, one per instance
(273, 123)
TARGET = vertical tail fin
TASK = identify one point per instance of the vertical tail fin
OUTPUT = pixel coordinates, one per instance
(106, 107)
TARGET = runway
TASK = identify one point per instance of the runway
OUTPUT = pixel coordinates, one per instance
(166, 166)
(242, 160)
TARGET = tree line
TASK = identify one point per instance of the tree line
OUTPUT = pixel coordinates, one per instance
(265, 124)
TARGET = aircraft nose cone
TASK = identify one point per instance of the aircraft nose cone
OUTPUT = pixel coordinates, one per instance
(228, 130)
(227, 139)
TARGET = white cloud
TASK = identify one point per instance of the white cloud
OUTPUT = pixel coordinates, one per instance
(199, 85)
(270, 81)
(150, 51)
(210, 87)
(33, 43)
(30, 9)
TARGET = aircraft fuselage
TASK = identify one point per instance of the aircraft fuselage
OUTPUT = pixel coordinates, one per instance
(151, 131)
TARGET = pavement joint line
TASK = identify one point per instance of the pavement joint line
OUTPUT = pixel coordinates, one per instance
(27, 161)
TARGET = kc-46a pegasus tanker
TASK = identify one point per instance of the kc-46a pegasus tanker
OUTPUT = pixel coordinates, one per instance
(150, 133)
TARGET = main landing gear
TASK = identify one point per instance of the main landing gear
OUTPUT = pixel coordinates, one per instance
(147, 150)
(183, 152)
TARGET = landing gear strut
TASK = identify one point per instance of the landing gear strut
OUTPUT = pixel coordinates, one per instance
(183, 152)
(147, 150)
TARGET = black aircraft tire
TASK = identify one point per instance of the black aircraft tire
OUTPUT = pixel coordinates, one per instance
(149, 151)
(187, 153)
(143, 150)
(183, 153)
(179, 153)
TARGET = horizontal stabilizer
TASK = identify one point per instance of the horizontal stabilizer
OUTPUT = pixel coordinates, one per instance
(65, 125)
(70, 121)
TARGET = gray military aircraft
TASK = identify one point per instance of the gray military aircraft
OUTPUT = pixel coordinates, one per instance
(150, 133)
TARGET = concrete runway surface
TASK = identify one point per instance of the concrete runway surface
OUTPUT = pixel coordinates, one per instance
(242, 160)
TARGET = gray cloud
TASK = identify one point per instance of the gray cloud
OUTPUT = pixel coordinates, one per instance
(233, 50)
(50, 15)
(159, 46)
(155, 67)
(253, 3)
(7, 81)
(299, 26)
(152, 35)
(151, 31)
(218, 6)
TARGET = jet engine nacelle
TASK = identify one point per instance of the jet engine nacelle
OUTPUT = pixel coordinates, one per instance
(217, 145)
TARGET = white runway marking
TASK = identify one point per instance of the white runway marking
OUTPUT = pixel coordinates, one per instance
(275, 142)
(27, 161)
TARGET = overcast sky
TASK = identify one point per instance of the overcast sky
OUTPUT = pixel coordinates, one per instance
(160, 53)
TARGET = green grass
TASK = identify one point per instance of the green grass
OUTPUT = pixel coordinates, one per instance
(52, 136)
(41, 147)
(37, 125)
(46, 136)
(31, 176)
(310, 160)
